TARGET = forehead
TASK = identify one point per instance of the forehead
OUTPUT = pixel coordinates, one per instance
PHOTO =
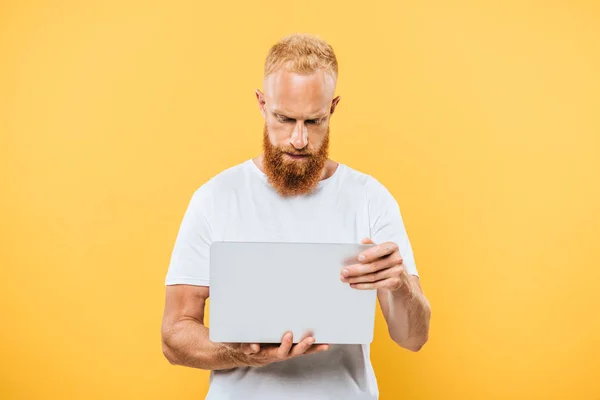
(299, 95)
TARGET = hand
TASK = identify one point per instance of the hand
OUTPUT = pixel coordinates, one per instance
(257, 355)
(380, 267)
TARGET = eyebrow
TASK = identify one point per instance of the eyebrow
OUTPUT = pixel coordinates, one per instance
(282, 114)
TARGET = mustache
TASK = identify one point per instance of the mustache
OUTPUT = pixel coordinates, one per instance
(295, 152)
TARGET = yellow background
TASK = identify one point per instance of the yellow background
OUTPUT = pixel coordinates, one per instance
(481, 118)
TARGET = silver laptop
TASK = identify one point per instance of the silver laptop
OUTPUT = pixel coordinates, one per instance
(260, 290)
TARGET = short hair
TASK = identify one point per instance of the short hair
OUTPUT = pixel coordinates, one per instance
(301, 53)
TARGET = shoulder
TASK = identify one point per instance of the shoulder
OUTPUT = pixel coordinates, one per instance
(222, 183)
(372, 187)
(354, 178)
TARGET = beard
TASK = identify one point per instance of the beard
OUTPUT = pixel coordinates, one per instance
(293, 177)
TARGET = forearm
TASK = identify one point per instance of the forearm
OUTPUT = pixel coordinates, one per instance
(186, 343)
(408, 317)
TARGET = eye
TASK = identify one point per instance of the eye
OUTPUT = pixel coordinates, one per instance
(284, 119)
(313, 121)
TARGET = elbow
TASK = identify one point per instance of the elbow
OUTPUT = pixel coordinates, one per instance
(418, 342)
(167, 336)
(169, 354)
(412, 344)
(417, 345)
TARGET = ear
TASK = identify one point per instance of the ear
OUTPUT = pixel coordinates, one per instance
(260, 97)
(334, 104)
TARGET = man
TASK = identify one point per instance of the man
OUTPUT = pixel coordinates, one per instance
(293, 193)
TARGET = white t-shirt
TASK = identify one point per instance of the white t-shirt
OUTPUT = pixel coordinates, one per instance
(239, 204)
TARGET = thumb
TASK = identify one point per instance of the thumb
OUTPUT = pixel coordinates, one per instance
(248, 348)
(367, 241)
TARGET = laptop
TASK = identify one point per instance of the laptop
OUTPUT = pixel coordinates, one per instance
(260, 290)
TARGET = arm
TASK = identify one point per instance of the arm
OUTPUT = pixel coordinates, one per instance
(407, 314)
(185, 337)
(390, 268)
(403, 304)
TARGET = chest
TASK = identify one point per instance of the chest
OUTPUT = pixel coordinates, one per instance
(323, 218)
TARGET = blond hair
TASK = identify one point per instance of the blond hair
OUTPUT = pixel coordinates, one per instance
(301, 53)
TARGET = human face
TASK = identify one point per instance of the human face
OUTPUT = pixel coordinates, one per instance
(298, 175)
(297, 109)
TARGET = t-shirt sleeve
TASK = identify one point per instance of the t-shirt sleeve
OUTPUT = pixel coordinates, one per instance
(387, 224)
(190, 257)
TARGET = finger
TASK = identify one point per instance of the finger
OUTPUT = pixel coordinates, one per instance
(389, 283)
(377, 251)
(302, 347)
(286, 344)
(377, 276)
(306, 335)
(372, 267)
(367, 241)
(250, 348)
(317, 349)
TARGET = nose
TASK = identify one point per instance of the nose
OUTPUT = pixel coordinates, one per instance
(299, 137)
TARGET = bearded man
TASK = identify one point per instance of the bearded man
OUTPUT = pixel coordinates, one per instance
(293, 192)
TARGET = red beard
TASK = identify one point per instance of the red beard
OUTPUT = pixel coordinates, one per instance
(293, 177)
